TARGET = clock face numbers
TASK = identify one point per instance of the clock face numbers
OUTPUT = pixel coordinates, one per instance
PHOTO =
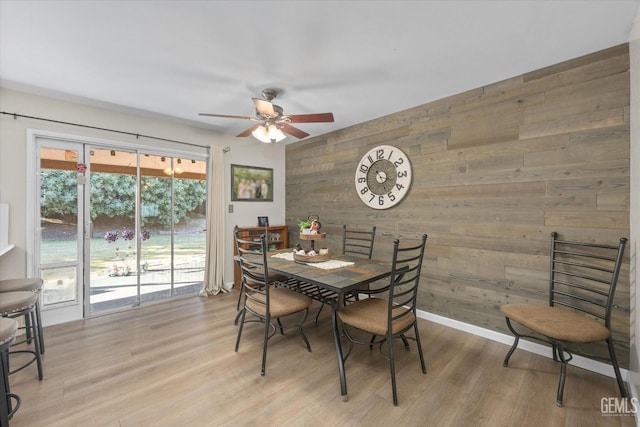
(383, 177)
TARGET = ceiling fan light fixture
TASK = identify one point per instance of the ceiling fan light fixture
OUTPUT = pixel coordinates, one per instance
(270, 133)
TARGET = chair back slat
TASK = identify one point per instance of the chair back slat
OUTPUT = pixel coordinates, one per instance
(252, 259)
(405, 279)
(358, 242)
(584, 276)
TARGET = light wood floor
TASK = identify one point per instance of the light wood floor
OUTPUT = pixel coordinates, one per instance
(173, 365)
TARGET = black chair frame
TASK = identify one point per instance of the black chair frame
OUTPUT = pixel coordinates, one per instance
(256, 290)
(583, 278)
(402, 293)
(356, 242)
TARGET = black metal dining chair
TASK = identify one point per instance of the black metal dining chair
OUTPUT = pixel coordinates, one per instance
(582, 283)
(265, 300)
(393, 317)
(356, 242)
(273, 277)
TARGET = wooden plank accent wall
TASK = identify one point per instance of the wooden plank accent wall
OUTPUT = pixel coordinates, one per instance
(496, 170)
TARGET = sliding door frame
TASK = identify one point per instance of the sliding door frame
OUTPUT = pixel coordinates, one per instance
(32, 203)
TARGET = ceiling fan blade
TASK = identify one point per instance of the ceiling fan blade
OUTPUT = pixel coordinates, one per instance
(227, 116)
(264, 108)
(293, 131)
(311, 118)
(247, 132)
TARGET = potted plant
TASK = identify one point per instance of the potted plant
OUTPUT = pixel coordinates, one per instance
(304, 224)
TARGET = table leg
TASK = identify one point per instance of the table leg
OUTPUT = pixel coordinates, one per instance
(336, 336)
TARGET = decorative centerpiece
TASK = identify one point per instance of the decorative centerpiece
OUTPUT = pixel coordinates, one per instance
(310, 230)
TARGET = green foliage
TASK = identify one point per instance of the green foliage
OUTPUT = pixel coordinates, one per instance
(113, 195)
(189, 196)
(58, 193)
(304, 223)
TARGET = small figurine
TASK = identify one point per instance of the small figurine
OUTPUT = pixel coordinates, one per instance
(315, 227)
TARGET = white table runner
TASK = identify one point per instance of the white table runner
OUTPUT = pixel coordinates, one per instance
(325, 265)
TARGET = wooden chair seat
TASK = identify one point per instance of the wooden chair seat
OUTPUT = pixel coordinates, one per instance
(557, 323)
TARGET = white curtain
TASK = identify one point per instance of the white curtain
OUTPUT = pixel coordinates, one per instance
(214, 266)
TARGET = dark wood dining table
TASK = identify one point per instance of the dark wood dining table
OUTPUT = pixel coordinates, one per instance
(330, 286)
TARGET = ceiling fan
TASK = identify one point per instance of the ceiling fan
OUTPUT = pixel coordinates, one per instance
(272, 123)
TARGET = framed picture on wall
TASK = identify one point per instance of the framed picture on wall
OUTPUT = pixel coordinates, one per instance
(251, 184)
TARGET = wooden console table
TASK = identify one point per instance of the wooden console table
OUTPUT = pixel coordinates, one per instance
(278, 239)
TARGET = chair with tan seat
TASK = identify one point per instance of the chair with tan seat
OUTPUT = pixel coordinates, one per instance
(582, 283)
(394, 316)
(29, 284)
(264, 299)
(359, 242)
(273, 277)
(8, 331)
(356, 242)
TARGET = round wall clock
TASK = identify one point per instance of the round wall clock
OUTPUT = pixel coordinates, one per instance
(383, 177)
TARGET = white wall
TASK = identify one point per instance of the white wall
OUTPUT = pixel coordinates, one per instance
(13, 160)
(250, 152)
(635, 204)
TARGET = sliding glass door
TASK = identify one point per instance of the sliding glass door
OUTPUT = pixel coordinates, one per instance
(113, 264)
(118, 227)
(59, 239)
(173, 220)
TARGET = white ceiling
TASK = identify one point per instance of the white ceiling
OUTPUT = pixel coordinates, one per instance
(358, 59)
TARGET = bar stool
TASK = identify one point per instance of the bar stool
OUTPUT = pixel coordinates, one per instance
(30, 284)
(18, 304)
(8, 331)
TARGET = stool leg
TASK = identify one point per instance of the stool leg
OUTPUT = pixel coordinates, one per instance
(32, 331)
(27, 327)
(5, 402)
(40, 329)
(36, 342)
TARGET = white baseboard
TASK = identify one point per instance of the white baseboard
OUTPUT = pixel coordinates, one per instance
(533, 347)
